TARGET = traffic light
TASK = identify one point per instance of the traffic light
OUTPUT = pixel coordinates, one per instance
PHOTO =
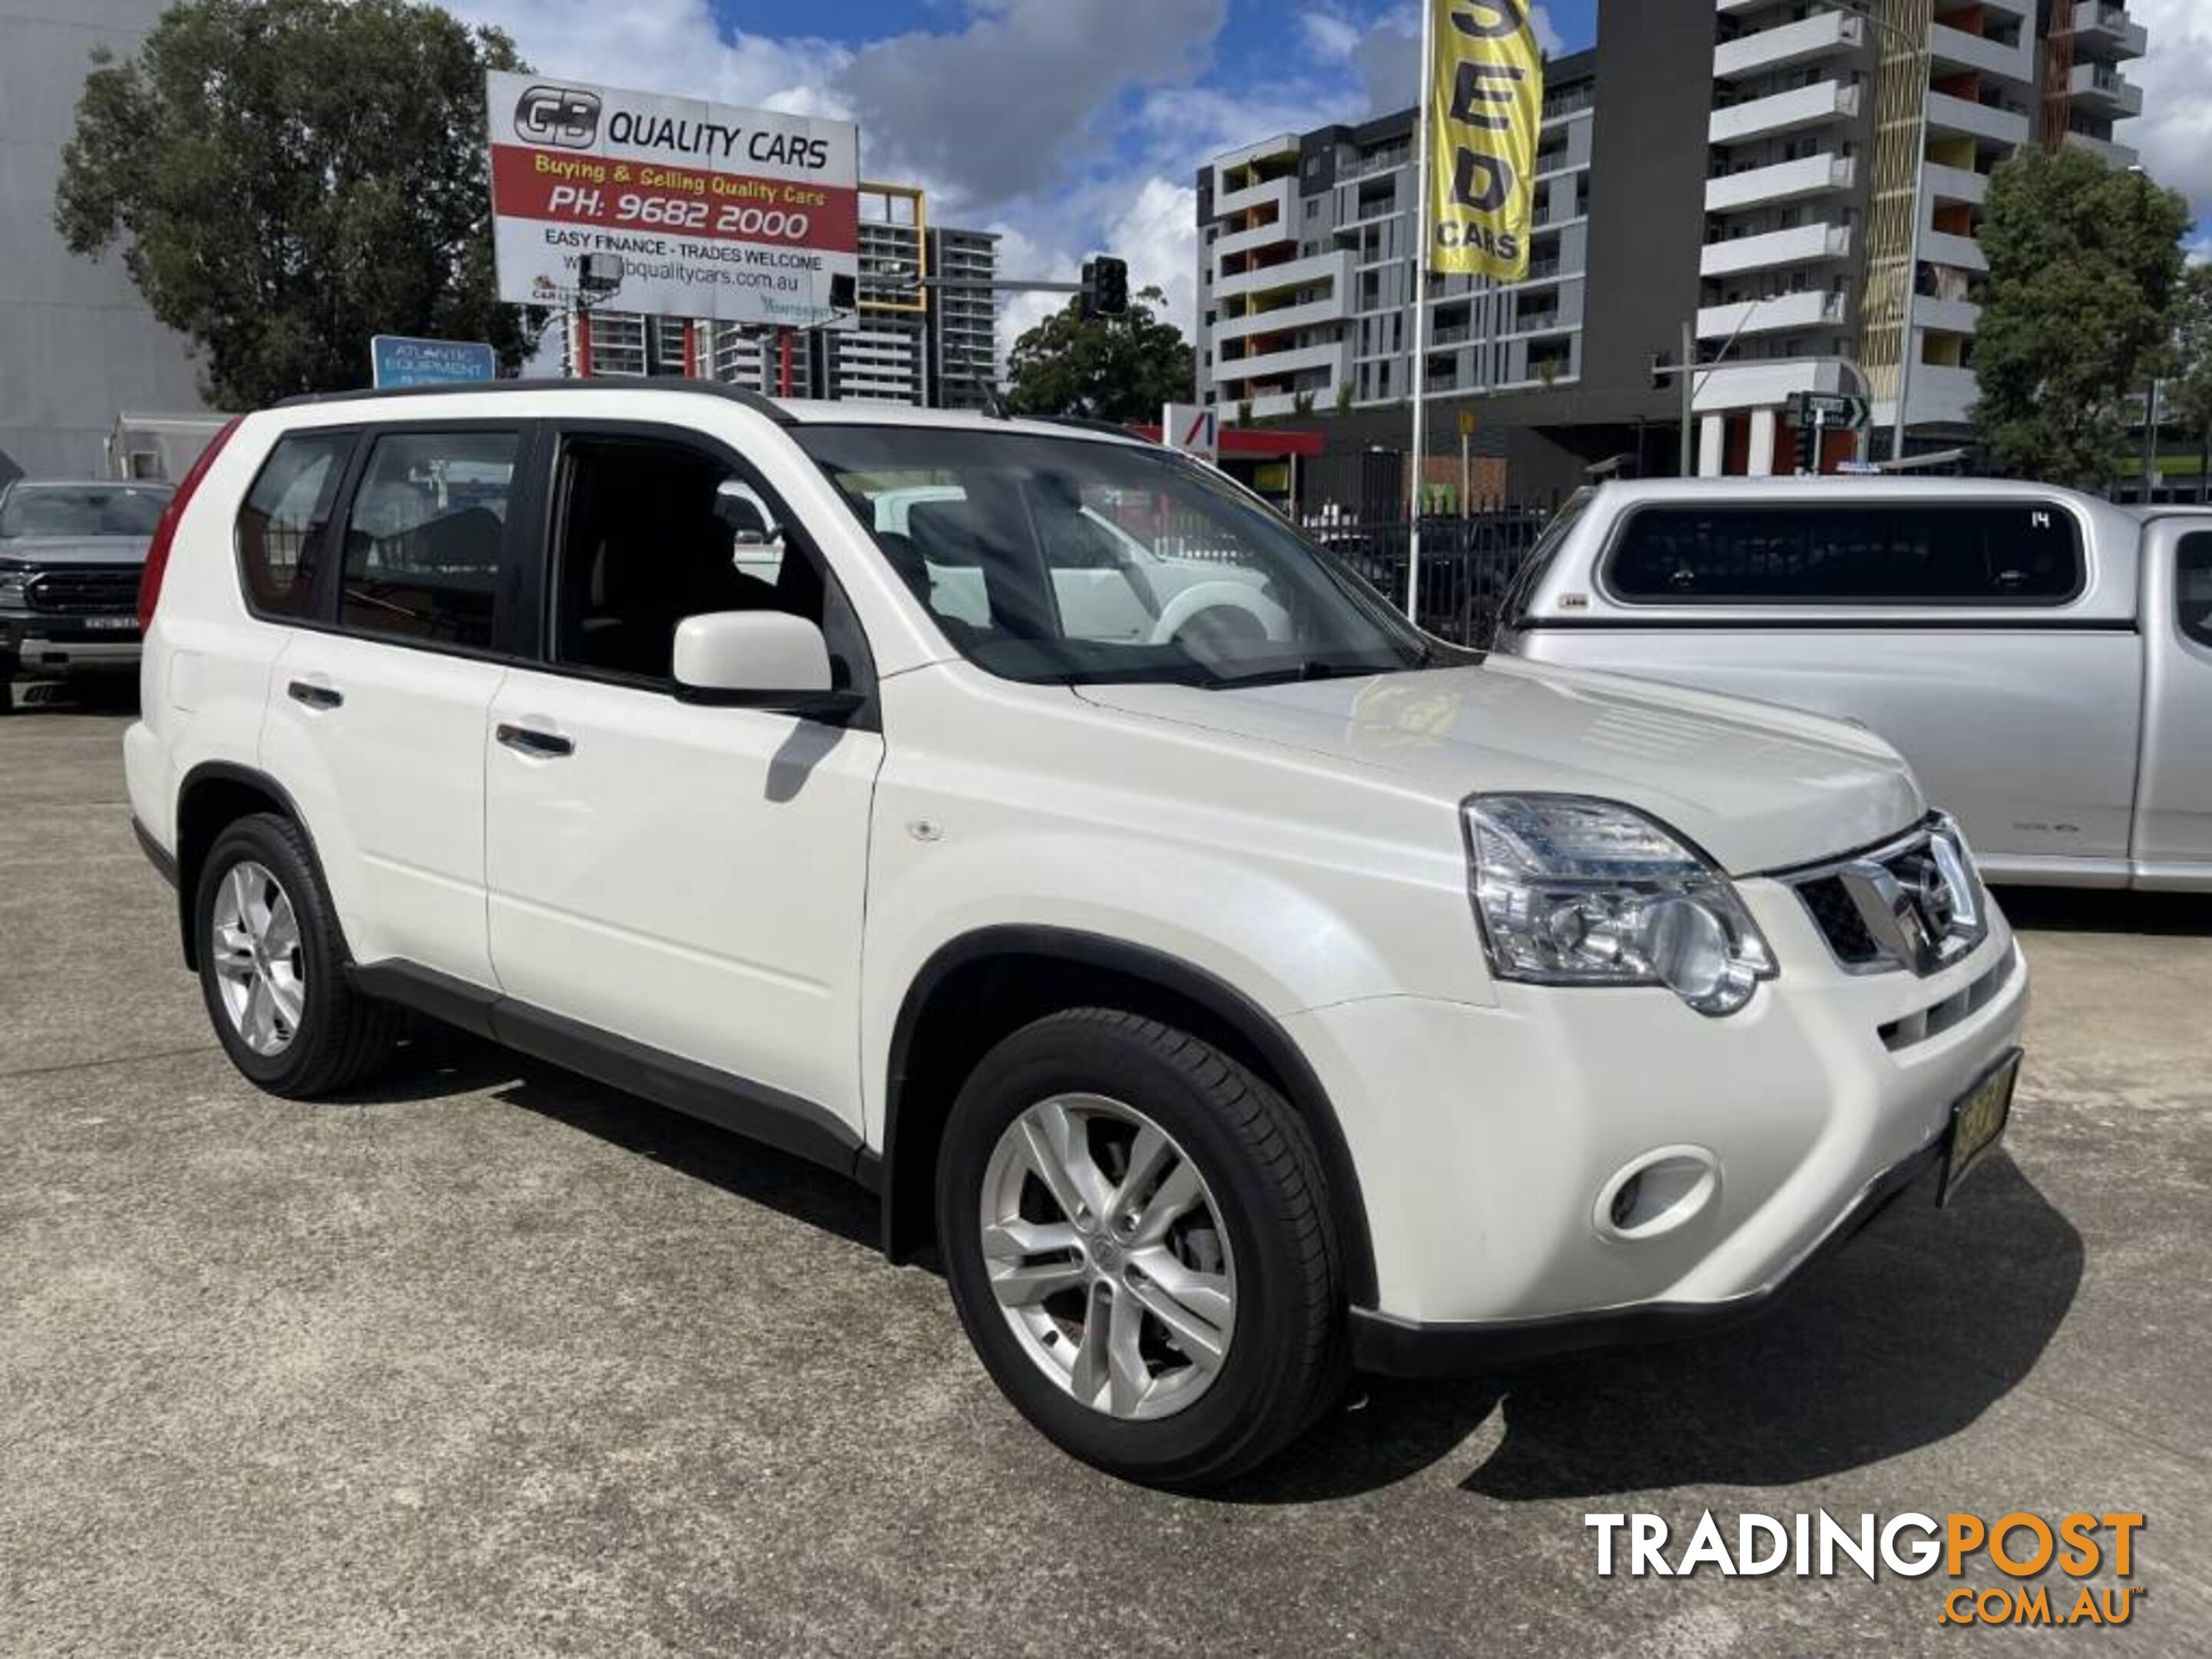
(1808, 447)
(1661, 363)
(1105, 288)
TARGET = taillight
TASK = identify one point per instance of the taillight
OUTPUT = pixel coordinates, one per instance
(165, 532)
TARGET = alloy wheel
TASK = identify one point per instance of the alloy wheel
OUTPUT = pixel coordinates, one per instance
(258, 963)
(1106, 1253)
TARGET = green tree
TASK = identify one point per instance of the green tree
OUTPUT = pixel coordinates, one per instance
(1118, 368)
(2084, 260)
(286, 178)
(2188, 393)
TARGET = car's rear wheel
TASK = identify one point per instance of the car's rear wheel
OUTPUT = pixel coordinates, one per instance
(1136, 1235)
(272, 966)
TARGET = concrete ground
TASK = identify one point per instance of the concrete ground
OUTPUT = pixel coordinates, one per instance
(492, 1361)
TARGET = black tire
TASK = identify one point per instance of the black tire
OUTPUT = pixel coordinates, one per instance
(1284, 1362)
(342, 1035)
(7, 685)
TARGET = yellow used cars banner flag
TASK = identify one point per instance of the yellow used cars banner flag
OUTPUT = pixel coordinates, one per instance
(1486, 99)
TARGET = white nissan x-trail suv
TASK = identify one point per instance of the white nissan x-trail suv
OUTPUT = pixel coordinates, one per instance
(1236, 985)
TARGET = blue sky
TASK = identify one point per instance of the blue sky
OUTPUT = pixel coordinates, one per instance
(1072, 126)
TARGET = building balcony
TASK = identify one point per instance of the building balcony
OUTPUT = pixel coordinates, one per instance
(1938, 396)
(1784, 181)
(1955, 185)
(1784, 111)
(2101, 87)
(1766, 385)
(1279, 154)
(1334, 267)
(1232, 243)
(1276, 404)
(1955, 116)
(1282, 320)
(1955, 50)
(1805, 245)
(1276, 365)
(2111, 153)
(1945, 316)
(1941, 248)
(1281, 194)
(1783, 314)
(1821, 35)
(2106, 31)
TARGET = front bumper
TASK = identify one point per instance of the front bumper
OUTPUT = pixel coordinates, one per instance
(1387, 1346)
(1489, 1142)
(55, 643)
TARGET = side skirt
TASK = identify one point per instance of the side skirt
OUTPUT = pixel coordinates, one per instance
(754, 1110)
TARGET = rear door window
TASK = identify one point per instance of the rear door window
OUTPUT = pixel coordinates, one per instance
(1808, 553)
(2193, 586)
(285, 519)
(424, 537)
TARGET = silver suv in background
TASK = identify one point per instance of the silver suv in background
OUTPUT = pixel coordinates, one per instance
(2043, 658)
(70, 556)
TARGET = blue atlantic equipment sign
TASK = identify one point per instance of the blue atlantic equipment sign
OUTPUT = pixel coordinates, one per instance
(395, 360)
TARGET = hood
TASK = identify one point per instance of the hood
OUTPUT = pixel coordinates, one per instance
(1757, 785)
(75, 549)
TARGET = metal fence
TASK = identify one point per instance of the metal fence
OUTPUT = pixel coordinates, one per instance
(1467, 565)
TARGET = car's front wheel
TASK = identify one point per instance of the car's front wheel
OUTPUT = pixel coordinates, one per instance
(272, 965)
(1137, 1235)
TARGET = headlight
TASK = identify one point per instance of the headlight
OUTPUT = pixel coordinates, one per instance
(14, 576)
(1575, 891)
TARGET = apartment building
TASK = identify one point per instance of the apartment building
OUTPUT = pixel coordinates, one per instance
(1306, 270)
(1850, 162)
(963, 321)
(923, 347)
(1782, 174)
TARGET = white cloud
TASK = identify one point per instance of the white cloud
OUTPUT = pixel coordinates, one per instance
(673, 46)
(1329, 36)
(2175, 131)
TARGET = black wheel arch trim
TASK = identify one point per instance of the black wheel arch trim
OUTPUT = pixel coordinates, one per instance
(250, 777)
(1225, 1002)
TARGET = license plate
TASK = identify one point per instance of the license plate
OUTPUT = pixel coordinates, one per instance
(1978, 1123)
(117, 623)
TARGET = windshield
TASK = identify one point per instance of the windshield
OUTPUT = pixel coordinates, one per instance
(83, 510)
(1068, 561)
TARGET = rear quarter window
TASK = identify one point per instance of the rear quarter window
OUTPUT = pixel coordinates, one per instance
(1802, 554)
(285, 521)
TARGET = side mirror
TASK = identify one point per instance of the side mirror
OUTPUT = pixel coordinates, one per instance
(764, 659)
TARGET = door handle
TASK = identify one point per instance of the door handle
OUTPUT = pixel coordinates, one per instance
(539, 745)
(313, 696)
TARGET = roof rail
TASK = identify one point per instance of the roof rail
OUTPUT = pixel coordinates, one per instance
(1085, 423)
(735, 394)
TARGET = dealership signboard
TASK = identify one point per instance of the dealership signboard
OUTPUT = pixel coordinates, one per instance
(739, 214)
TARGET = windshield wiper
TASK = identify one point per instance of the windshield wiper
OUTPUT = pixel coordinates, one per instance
(1312, 669)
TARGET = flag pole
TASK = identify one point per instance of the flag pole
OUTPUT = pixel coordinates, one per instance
(1420, 317)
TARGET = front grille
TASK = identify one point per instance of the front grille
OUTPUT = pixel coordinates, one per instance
(1914, 902)
(1839, 922)
(88, 591)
